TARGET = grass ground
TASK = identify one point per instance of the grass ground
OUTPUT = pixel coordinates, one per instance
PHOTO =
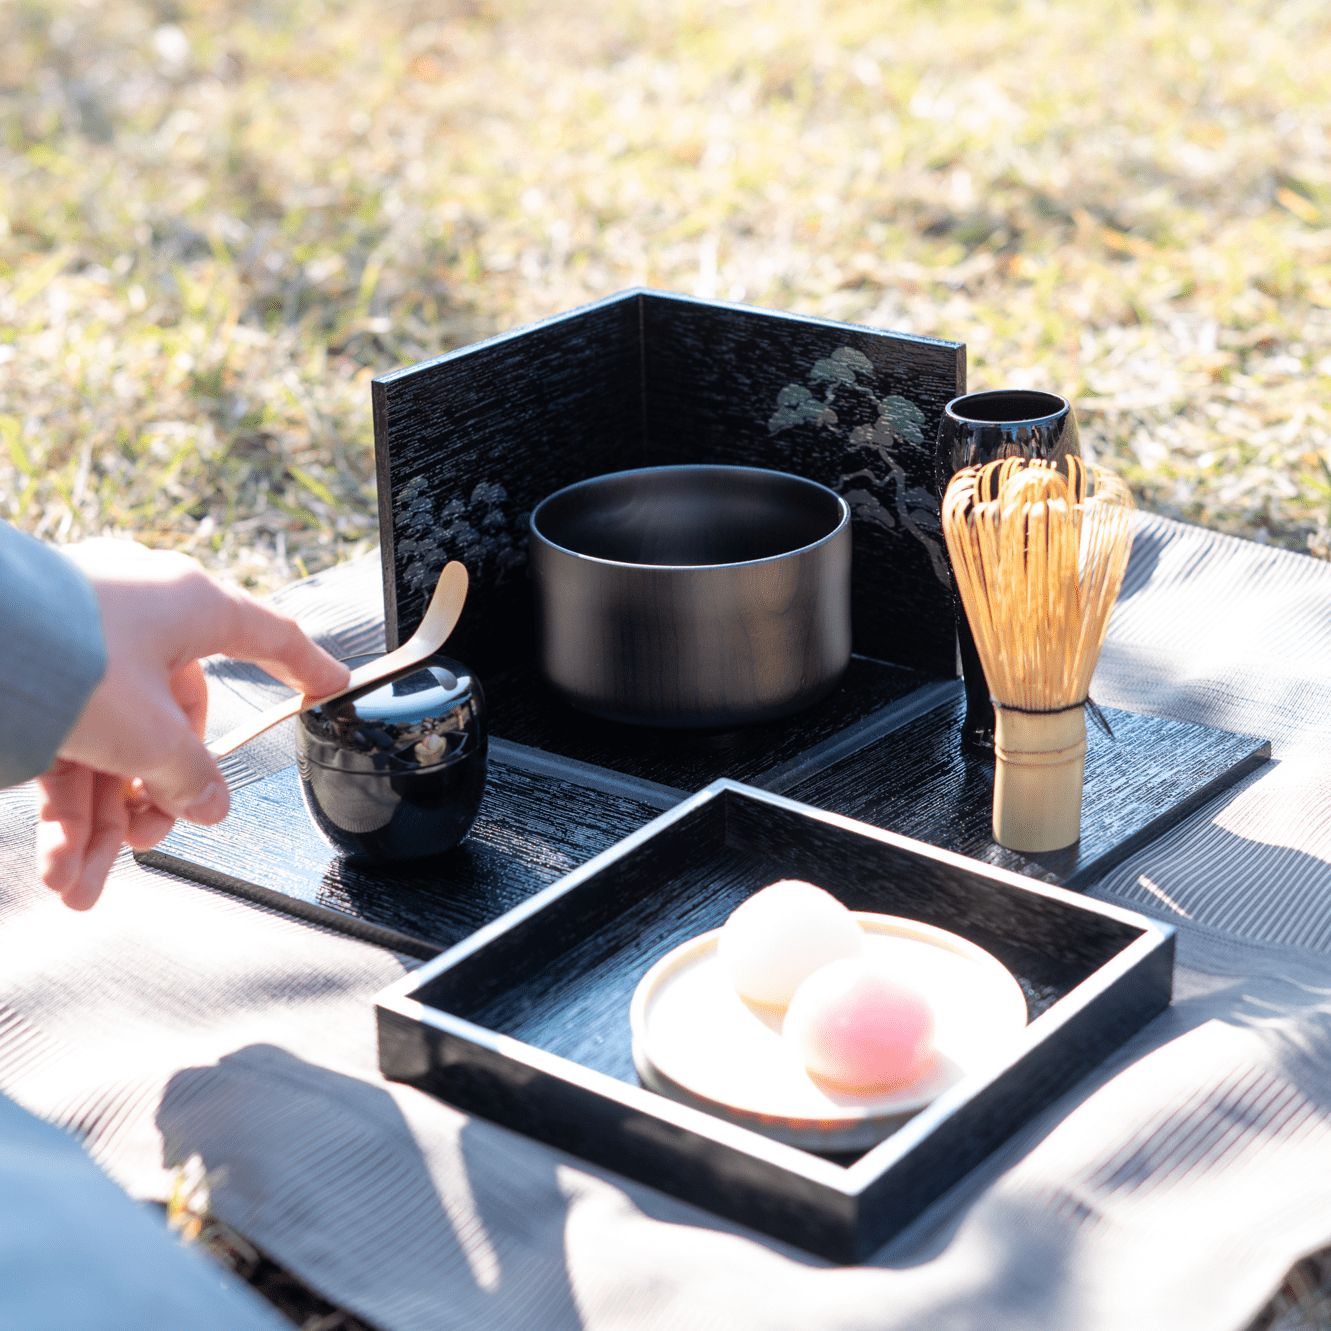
(220, 218)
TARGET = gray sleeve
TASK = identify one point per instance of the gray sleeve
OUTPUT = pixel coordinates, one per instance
(79, 1253)
(51, 652)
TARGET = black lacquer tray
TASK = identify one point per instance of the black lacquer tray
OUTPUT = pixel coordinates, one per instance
(468, 443)
(526, 1022)
(544, 814)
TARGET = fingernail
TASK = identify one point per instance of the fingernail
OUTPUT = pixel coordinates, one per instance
(136, 801)
(210, 807)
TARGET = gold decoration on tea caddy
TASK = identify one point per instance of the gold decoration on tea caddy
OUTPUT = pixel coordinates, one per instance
(1039, 550)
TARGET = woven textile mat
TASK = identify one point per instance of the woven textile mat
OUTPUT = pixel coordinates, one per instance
(1172, 1189)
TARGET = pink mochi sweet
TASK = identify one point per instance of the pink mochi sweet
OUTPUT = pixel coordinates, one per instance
(857, 1027)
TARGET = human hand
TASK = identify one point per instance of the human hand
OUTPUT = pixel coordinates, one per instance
(144, 722)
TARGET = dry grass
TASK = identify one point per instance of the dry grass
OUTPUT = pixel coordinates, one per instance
(222, 218)
(189, 1216)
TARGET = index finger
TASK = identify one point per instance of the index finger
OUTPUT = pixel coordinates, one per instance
(253, 632)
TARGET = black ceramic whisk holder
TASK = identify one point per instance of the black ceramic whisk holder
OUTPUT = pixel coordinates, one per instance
(974, 430)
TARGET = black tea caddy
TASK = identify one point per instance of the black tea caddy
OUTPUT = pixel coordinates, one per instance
(396, 770)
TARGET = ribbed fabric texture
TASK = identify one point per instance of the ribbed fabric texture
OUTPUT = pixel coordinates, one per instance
(1173, 1188)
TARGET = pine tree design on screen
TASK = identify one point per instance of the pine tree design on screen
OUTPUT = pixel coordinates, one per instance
(475, 531)
(842, 390)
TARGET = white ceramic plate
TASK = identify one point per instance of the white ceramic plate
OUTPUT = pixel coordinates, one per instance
(696, 1040)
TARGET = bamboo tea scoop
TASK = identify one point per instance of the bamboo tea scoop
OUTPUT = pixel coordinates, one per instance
(441, 615)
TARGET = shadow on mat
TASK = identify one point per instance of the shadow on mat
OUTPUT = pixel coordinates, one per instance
(323, 1172)
(1143, 561)
(326, 1174)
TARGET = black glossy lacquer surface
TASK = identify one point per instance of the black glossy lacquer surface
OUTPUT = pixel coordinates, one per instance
(919, 782)
(479, 1027)
(547, 809)
(524, 709)
(530, 831)
(855, 408)
(396, 771)
(575, 1002)
(468, 444)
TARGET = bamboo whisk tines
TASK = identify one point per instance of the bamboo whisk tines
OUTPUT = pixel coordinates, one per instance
(1038, 550)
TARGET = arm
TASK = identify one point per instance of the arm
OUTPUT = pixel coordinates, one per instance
(143, 719)
(51, 652)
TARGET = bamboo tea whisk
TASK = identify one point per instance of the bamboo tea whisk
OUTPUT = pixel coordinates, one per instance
(1038, 551)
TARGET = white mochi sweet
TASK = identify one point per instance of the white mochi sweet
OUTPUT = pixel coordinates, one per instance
(781, 935)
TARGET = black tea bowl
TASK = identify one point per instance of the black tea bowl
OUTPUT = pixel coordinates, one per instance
(704, 597)
(396, 770)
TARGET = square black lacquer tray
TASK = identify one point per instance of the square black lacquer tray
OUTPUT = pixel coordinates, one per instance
(526, 1023)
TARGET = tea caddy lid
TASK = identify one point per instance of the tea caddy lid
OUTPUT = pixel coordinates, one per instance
(431, 715)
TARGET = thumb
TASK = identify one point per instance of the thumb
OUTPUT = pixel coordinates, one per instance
(183, 779)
